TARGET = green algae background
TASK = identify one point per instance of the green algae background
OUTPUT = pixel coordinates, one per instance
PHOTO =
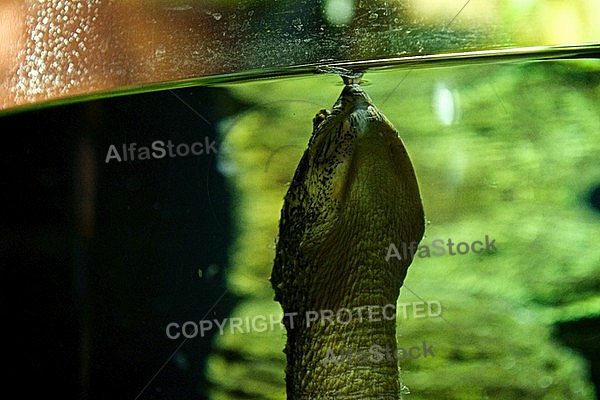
(516, 163)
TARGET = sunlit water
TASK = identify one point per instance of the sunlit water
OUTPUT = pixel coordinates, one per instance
(505, 150)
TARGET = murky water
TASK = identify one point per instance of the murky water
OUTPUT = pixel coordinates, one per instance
(160, 252)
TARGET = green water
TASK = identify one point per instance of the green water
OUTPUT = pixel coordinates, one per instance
(504, 144)
(506, 148)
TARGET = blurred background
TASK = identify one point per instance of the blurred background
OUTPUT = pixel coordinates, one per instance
(98, 257)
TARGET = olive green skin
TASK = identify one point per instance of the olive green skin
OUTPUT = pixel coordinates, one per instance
(354, 192)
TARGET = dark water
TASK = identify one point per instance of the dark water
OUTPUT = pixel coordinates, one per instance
(99, 255)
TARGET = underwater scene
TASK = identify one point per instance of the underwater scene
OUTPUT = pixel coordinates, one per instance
(506, 160)
(139, 240)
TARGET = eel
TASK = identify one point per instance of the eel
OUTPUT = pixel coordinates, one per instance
(353, 193)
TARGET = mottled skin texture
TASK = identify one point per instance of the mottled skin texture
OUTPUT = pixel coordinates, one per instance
(353, 193)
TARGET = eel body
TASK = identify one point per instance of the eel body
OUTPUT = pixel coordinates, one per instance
(353, 193)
